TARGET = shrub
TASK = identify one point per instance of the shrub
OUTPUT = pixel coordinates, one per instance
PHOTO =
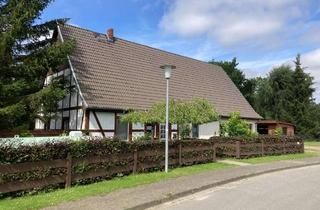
(235, 126)
(185, 131)
(25, 133)
(145, 137)
(278, 132)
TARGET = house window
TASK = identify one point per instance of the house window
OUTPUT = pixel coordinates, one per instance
(121, 129)
(65, 123)
(162, 131)
(284, 130)
(195, 131)
(149, 130)
(263, 129)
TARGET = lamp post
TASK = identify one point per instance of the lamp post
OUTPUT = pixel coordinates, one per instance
(167, 74)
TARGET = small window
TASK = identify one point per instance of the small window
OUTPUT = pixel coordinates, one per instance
(195, 131)
(65, 123)
(284, 131)
(162, 131)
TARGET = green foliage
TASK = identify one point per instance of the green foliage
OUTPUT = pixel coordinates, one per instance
(235, 126)
(195, 111)
(27, 53)
(286, 95)
(25, 134)
(278, 131)
(246, 86)
(185, 131)
(145, 137)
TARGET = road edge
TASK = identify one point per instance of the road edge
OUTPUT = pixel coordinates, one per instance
(216, 184)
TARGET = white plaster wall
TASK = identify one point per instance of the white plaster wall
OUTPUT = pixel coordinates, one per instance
(254, 125)
(109, 134)
(137, 126)
(74, 96)
(65, 101)
(209, 129)
(137, 135)
(96, 134)
(79, 101)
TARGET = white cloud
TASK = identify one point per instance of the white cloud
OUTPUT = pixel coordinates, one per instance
(232, 21)
(311, 61)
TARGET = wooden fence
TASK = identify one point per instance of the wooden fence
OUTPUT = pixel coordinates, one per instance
(134, 162)
(243, 150)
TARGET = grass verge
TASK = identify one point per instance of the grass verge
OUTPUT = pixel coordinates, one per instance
(53, 198)
(267, 159)
(312, 143)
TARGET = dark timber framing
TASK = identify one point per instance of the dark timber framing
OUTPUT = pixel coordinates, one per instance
(98, 122)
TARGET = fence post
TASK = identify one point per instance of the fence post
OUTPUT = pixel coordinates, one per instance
(180, 154)
(238, 149)
(135, 160)
(284, 147)
(214, 153)
(69, 171)
(262, 147)
(302, 146)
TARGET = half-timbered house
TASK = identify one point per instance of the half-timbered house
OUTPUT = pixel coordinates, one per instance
(108, 75)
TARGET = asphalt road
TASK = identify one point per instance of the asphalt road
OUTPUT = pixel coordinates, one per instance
(290, 189)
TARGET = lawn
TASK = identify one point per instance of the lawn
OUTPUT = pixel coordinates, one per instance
(312, 143)
(267, 159)
(53, 198)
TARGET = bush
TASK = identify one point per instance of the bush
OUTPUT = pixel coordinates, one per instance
(185, 131)
(145, 137)
(278, 132)
(235, 126)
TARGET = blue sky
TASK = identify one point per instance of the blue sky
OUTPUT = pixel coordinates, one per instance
(261, 34)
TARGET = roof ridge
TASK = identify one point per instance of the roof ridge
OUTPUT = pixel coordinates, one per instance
(144, 45)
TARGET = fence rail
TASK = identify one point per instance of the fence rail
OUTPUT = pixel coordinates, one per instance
(137, 161)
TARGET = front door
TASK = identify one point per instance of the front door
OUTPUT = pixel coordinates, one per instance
(121, 129)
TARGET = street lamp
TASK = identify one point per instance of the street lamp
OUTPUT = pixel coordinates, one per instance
(167, 73)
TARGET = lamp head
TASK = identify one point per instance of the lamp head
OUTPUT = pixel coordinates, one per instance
(167, 70)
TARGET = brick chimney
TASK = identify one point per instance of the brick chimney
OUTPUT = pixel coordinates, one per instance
(109, 34)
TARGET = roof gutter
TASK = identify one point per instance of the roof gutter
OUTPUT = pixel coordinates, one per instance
(72, 70)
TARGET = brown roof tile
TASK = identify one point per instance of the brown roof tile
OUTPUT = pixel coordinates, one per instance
(127, 75)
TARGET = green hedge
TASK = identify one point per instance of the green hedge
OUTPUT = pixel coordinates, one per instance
(98, 147)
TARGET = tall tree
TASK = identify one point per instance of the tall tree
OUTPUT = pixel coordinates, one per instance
(280, 94)
(246, 86)
(302, 96)
(286, 95)
(27, 52)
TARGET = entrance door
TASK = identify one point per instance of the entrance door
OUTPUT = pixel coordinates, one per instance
(121, 129)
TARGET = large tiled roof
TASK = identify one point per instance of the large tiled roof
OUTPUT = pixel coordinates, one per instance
(126, 75)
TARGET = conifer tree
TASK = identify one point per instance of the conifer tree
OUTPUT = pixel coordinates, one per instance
(302, 91)
(27, 52)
